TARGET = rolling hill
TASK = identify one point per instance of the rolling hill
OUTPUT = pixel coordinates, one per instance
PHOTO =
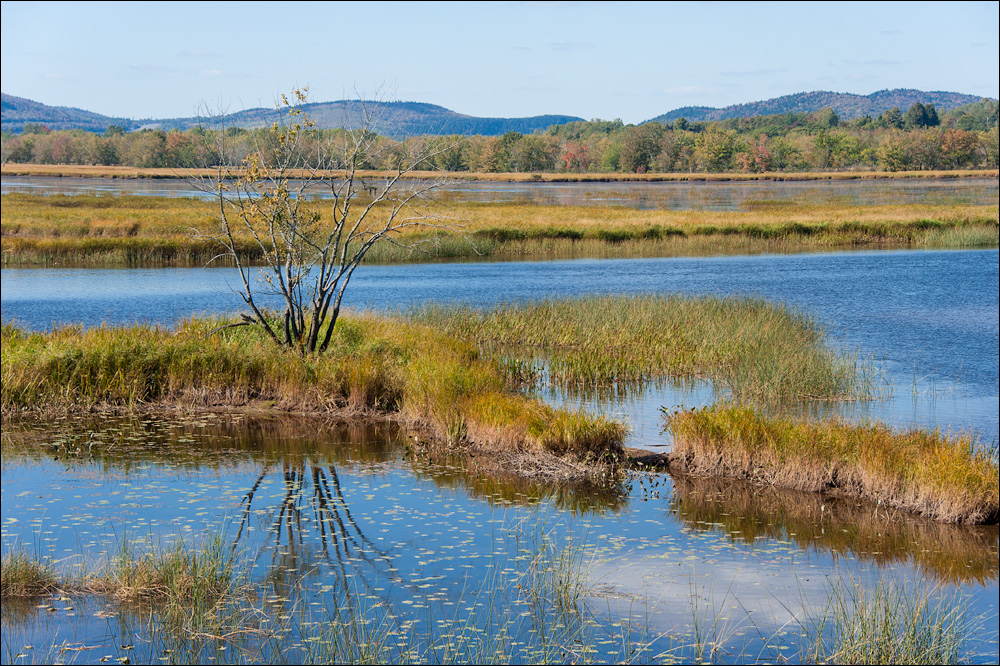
(846, 105)
(16, 112)
(399, 119)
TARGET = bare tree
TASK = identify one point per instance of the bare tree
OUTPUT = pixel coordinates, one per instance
(268, 205)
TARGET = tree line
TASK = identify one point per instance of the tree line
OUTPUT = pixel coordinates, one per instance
(918, 139)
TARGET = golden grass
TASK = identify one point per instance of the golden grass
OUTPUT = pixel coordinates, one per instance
(96, 171)
(142, 231)
(943, 477)
(376, 365)
(757, 350)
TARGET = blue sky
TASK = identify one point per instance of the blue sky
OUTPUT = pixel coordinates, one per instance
(606, 60)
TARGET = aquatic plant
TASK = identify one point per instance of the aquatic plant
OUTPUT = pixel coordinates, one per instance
(948, 478)
(889, 622)
(105, 230)
(758, 351)
(375, 365)
(24, 576)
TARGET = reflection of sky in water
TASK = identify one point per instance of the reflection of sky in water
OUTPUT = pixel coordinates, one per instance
(665, 195)
(421, 538)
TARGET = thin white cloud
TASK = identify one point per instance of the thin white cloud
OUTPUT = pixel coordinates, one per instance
(871, 63)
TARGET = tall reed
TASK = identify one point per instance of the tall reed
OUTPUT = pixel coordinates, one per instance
(757, 350)
(947, 478)
(889, 623)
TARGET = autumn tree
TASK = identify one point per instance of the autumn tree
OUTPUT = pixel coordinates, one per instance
(308, 257)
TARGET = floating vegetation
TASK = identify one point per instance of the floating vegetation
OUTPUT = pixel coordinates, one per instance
(342, 544)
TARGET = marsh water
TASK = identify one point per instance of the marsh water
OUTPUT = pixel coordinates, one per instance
(329, 516)
(668, 195)
(926, 322)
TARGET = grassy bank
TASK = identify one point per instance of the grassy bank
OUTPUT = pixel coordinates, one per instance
(98, 171)
(89, 230)
(376, 365)
(757, 350)
(172, 576)
(942, 477)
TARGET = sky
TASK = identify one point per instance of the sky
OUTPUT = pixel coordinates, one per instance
(606, 60)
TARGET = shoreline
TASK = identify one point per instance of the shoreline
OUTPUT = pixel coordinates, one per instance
(136, 173)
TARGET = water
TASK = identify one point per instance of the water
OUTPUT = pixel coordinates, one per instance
(644, 196)
(416, 538)
(928, 319)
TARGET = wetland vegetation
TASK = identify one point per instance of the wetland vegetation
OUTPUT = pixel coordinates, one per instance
(332, 582)
(135, 231)
(944, 477)
(429, 539)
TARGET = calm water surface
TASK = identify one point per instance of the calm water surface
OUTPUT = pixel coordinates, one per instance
(419, 536)
(669, 196)
(929, 320)
(324, 516)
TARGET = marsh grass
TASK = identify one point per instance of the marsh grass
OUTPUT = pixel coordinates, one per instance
(175, 575)
(106, 230)
(376, 365)
(889, 623)
(947, 478)
(178, 574)
(25, 576)
(757, 350)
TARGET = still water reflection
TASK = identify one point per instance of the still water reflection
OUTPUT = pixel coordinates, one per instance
(644, 196)
(320, 511)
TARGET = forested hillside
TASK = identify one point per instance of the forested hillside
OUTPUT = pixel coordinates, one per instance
(845, 105)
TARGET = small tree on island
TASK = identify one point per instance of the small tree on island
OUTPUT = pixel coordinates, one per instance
(264, 209)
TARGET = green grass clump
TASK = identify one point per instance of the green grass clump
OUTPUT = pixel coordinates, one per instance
(757, 350)
(375, 365)
(23, 576)
(889, 623)
(177, 575)
(943, 477)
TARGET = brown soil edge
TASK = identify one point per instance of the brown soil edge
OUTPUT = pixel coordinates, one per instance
(522, 463)
(85, 171)
(527, 464)
(677, 464)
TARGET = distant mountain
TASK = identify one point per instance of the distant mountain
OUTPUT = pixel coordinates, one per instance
(845, 105)
(399, 119)
(16, 112)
